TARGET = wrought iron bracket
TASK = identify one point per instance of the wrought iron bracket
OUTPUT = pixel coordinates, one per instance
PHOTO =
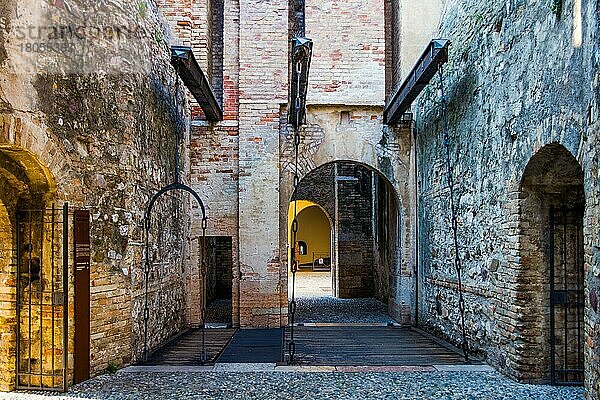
(435, 55)
(169, 188)
(301, 56)
(195, 80)
(177, 186)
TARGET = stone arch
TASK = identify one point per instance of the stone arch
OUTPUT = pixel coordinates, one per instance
(18, 134)
(553, 179)
(383, 202)
(24, 183)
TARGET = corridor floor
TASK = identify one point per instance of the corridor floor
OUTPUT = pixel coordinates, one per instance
(317, 305)
(190, 384)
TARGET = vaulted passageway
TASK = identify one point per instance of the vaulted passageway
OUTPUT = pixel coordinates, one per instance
(347, 245)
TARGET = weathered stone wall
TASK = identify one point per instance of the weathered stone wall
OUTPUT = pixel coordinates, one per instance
(519, 77)
(102, 121)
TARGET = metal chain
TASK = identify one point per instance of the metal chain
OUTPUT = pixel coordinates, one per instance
(203, 356)
(294, 252)
(147, 218)
(457, 260)
(147, 278)
(177, 138)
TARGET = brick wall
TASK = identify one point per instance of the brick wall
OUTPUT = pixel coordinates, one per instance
(386, 266)
(348, 65)
(354, 230)
(263, 88)
(214, 155)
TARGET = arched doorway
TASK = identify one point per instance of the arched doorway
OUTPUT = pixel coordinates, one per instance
(361, 208)
(32, 273)
(315, 236)
(551, 277)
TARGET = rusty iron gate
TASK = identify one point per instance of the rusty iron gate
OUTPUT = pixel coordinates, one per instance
(42, 261)
(566, 296)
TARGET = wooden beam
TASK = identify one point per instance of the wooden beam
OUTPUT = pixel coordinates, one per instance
(435, 54)
(195, 80)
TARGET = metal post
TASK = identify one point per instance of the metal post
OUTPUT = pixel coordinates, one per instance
(41, 294)
(552, 307)
(565, 305)
(52, 265)
(65, 296)
(18, 294)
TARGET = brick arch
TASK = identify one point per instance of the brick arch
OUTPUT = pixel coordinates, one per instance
(25, 183)
(33, 145)
(306, 174)
(552, 178)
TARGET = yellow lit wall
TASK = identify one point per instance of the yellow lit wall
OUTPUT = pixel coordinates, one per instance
(314, 229)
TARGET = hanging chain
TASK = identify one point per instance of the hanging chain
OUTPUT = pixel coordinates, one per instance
(295, 251)
(177, 138)
(147, 219)
(457, 260)
(147, 278)
(204, 356)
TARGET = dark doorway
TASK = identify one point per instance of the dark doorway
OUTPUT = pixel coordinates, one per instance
(551, 280)
(219, 279)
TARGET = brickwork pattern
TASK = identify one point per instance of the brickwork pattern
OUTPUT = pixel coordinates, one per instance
(263, 88)
(354, 229)
(348, 64)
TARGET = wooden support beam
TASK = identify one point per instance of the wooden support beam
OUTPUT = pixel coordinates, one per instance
(195, 80)
(435, 54)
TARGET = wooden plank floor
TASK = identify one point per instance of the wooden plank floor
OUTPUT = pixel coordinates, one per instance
(370, 345)
(187, 348)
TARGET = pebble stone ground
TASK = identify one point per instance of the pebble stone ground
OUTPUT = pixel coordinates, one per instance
(315, 304)
(302, 385)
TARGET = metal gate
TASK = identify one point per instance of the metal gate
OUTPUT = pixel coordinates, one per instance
(42, 298)
(566, 296)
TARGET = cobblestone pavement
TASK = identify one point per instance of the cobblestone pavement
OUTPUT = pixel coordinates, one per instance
(316, 304)
(312, 284)
(303, 385)
(330, 309)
